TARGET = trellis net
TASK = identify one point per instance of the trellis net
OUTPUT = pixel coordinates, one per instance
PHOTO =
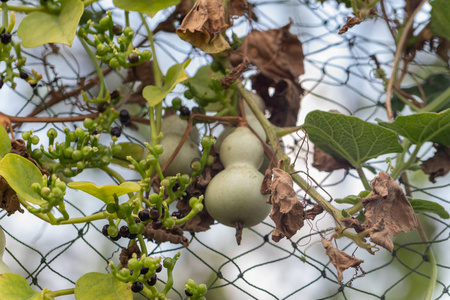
(339, 74)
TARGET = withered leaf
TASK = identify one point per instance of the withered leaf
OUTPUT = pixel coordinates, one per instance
(313, 212)
(203, 25)
(237, 7)
(127, 253)
(200, 222)
(281, 56)
(234, 74)
(19, 147)
(353, 223)
(439, 164)
(174, 235)
(325, 162)
(287, 210)
(178, 15)
(351, 21)
(387, 211)
(8, 198)
(340, 260)
(144, 74)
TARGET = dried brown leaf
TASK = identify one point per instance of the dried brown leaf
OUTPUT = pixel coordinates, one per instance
(203, 25)
(8, 198)
(287, 210)
(351, 21)
(237, 7)
(200, 222)
(387, 211)
(313, 212)
(19, 147)
(127, 253)
(325, 162)
(353, 223)
(178, 15)
(235, 74)
(174, 235)
(439, 164)
(340, 260)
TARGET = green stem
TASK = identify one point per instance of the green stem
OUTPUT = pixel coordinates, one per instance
(61, 293)
(402, 166)
(5, 14)
(29, 207)
(355, 208)
(272, 137)
(438, 103)
(431, 259)
(282, 131)
(405, 101)
(101, 79)
(97, 216)
(26, 9)
(113, 173)
(363, 178)
(142, 244)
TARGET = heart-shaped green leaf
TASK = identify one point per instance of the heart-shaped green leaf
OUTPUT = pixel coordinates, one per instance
(440, 22)
(134, 150)
(15, 287)
(39, 28)
(102, 286)
(420, 205)
(5, 142)
(349, 137)
(176, 74)
(105, 192)
(423, 127)
(20, 173)
(149, 7)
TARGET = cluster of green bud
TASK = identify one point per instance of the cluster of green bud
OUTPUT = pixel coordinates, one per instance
(195, 291)
(197, 166)
(52, 191)
(113, 43)
(11, 55)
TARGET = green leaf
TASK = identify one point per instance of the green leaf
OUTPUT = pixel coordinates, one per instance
(134, 150)
(176, 74)
(440, 21)
(39, 28)
(433, 86)
(20, 173)
(15, 287)
(149, 7)
(429, 206)
(98, 286)
(200, 84)
(349, 137)
(105, 192)
(423, 127)
(351, 199)
(5, 142)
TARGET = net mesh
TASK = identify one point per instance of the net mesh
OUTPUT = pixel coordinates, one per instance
(339, 74)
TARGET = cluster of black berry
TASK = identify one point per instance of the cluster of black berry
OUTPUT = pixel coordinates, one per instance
(5, 37)
(124, 117)
(138, 286)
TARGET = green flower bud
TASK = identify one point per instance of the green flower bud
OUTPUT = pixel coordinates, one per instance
(36, 187)
(153, 198)
(34, 139)
(57, 192)
(26, 136)
(145, 55)
(37, 154)
(45, 192)
(113, 231)
(52, 133)
(79, 132)
(134, 264)
(60, 184)
(196, 166)
(88, 123)
(158, 149)
(68, 172)
(68, 152)
(77, 155)
(202, 289)
(176, 102)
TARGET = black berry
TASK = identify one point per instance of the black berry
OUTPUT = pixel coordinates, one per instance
(136, 220)
(124, 231)
(144, 270)
(159, 269)
(154, 214)
(116, 131)
(157, 224)
(137, 287)
(24, 75)
(114, 94)
(177, 214)
(176, 186)
(144, 215)
(116, 238)
(5, 37)
(105, 230)
(187, 293)
(133, 58)
(152, 281)
(184, 111)
(117, 29)
(132, 236)
(124, 116)
(94, 132)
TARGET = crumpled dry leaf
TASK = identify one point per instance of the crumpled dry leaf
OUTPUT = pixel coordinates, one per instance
(234, 74)
(237, 7)
(178, 15)
(387, 211)
(325, 162)
(200, 222)
(287, 210)
(8, 198)
(351, 21)
(284, 104)
(340, 260)
(439, 164)
(313, 212)
(280, 63)
(174, 235)
(203, 25)
(353, 223)
(426, 40)
(144, 74)
(19, 147)
(127, 253)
